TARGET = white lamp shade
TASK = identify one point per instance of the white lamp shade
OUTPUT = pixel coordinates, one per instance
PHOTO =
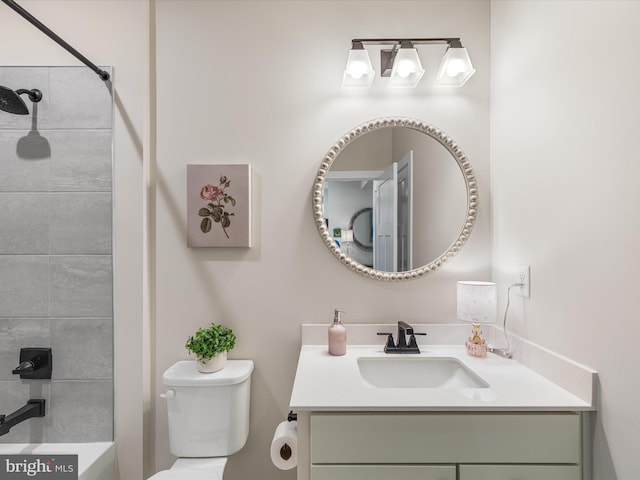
(359, 72)
(455, 68)
(477, 302)
(347, 236)
(407, 69)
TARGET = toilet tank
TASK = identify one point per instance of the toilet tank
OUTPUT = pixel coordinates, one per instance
(208, 413)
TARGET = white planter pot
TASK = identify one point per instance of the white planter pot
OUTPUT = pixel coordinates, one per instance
(213, 365)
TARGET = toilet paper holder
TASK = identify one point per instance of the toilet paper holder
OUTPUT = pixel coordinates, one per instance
(285, 450)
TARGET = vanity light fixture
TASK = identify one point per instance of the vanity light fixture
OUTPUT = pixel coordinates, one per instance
(402, 64)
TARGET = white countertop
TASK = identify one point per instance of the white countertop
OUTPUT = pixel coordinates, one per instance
(332, 383)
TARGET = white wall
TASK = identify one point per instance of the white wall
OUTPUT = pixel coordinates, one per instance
(565, 112)
(259, 82)
(108, 33)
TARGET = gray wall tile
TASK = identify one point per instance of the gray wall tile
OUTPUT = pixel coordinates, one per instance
(80, 160)
(82, 348)
(19, 174)
(81, 286)
(79, 99)
(24, 288)
(17, 333)
(81, 411)
(62, 301)
(80, 223)
(25, 223)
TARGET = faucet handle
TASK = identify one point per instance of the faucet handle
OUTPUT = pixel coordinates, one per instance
(25, 367)
(413, 344)
(35, 363)
(389, 344)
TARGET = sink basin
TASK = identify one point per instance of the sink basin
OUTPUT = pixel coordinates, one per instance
(418, 372)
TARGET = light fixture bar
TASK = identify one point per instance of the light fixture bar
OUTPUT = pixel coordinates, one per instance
(399, 41)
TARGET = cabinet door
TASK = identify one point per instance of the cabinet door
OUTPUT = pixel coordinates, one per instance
(383, 472)
(445, 438)
(520, 472)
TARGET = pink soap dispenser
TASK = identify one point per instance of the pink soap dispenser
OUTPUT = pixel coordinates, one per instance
(337, 336)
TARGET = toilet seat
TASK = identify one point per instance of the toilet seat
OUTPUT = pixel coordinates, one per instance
(193, 469)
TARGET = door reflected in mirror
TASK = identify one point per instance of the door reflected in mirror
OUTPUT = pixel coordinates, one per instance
(404, 189)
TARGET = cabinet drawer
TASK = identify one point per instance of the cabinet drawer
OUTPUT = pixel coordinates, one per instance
(383, 472)
(445, 438)
(519, 472)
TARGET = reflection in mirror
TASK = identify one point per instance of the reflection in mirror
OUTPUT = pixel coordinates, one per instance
(414, 189)
(362, 226)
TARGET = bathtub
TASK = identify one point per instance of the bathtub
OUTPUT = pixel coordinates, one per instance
(96, 461)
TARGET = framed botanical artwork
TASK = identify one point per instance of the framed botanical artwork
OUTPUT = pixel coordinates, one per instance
(219, 205)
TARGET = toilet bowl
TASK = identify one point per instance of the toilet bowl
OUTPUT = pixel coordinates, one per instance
(194, 469)
(208, 416)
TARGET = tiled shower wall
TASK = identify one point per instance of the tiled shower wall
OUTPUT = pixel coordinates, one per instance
(56, 254)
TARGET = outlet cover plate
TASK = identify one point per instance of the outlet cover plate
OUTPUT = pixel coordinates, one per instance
(523, 275)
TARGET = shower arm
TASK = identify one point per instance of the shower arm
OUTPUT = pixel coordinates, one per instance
(44, 29)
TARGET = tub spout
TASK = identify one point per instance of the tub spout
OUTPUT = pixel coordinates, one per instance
(33, 408)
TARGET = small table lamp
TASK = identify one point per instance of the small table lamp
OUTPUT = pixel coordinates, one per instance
(477, 303)
(347, 239)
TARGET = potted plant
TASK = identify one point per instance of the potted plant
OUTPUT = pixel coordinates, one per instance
(210, 346)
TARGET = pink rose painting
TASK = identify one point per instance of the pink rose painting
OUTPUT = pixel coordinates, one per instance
(219, 205)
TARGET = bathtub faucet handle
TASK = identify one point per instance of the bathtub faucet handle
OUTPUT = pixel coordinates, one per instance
(25, 367)
(35, 363)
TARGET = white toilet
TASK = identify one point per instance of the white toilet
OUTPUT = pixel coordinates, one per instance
(208, 418)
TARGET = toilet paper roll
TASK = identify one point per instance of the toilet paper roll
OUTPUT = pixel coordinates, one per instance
(284, 446)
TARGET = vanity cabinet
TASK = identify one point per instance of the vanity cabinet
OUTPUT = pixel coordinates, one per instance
(446, 445)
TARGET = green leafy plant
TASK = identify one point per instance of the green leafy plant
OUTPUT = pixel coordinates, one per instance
(207, 342)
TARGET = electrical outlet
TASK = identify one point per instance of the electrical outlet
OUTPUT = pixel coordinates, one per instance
(523, 276)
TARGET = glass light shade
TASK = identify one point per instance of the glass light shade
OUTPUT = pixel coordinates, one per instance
(455, 68)
(359, 72)
(407, 69)
(477, 302)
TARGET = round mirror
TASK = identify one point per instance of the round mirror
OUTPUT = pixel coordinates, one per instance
(395, 198)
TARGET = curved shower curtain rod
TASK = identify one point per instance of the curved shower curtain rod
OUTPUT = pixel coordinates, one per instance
(44, 29)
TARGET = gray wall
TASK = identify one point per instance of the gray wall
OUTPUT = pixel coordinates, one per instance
(56, 253)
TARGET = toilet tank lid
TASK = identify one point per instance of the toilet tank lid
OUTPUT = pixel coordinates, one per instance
(185, 374)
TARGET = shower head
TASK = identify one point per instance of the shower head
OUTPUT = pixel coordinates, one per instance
(11, 102)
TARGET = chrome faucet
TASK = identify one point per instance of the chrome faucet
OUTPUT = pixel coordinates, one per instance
(402, 346)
